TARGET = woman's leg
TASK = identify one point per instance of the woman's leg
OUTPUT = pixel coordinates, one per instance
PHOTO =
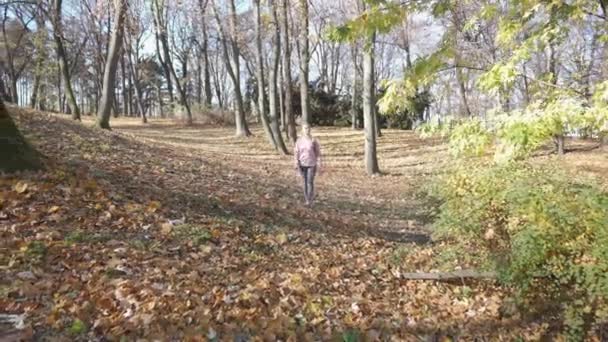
(304, 173)
(310, 180)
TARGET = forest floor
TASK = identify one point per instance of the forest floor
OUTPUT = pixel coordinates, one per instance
(169, 232)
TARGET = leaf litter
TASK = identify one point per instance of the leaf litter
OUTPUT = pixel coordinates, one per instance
(127, 235)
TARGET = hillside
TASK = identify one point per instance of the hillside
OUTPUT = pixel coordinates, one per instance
(164, 231)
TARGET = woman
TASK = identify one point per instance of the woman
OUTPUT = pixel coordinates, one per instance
(307, 160)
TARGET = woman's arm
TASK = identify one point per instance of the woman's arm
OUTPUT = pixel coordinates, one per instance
(317, 147)
(296, 157)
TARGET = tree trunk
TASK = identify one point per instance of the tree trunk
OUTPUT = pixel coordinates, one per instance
(559, 141)
(125, 97)
(17, 154)
(63, 62)
(466, 111)
(133, 71)
(272, 87)
(14, 93)
(291, 121)
(163, 56)
(353, 100)
(369, 102)
(109, 76)
(205, 53)
(304, 56)
(260, 76)
(35, 90)
(233, 66)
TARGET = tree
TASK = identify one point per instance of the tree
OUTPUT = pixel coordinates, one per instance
(15, 45)
(56, 19)
(354, 94)
(109, 77)
(288, 105)
(369, 103)
(261, 92)
(233, 65)
(17, 154)
(272, 84)
(304, 59)
(205, 53)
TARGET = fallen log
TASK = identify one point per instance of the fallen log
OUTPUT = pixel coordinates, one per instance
(448, 276)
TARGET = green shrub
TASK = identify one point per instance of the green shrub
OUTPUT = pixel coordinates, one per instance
(545, 233)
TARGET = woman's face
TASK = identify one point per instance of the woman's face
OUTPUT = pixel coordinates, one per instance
(306, 130)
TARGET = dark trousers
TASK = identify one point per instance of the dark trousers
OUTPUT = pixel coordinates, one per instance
(308, 173)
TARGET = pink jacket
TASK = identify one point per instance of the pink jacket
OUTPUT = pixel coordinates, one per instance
(306, 152)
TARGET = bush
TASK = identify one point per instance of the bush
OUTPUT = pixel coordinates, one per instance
(544, 232)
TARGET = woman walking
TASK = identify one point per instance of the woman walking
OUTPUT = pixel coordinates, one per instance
(307, 160)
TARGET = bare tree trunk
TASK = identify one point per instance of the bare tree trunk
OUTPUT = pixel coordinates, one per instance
(353, 100)
(233, 66)
(291, 121)
(109, 77)
(304, 56)
(135, 78)
(205, 53)
(466, 111)
(63, 62)
(125, 98)
(369, 102)
(272, 87)
(260, 76)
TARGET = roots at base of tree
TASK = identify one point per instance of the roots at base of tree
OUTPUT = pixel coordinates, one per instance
(17, 154)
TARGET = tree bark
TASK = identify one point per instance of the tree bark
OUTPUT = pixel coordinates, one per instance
(17, 153)
(134, 76)
(291, 122)
(304, 56)
(205, 54)
(369, 102)
(260, 76)
(272, 87)
(63, 61)
(353, 100)
(233, 66)
(109, 76)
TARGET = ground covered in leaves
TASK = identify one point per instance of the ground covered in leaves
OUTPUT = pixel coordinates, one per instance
(187, 233)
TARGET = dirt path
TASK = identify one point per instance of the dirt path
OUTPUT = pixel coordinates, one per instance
(349, 202)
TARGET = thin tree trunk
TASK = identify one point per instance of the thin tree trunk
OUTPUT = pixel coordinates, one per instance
(14, 92)
(63, 62)
(205, 55)
(353, 100)
(233, 67)
(272, 87)
(304, 56)
(109, 77)
(369, 101)
(291, 122)
(135, 78)
(125, 97)
(466, 111)
(260, 76)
